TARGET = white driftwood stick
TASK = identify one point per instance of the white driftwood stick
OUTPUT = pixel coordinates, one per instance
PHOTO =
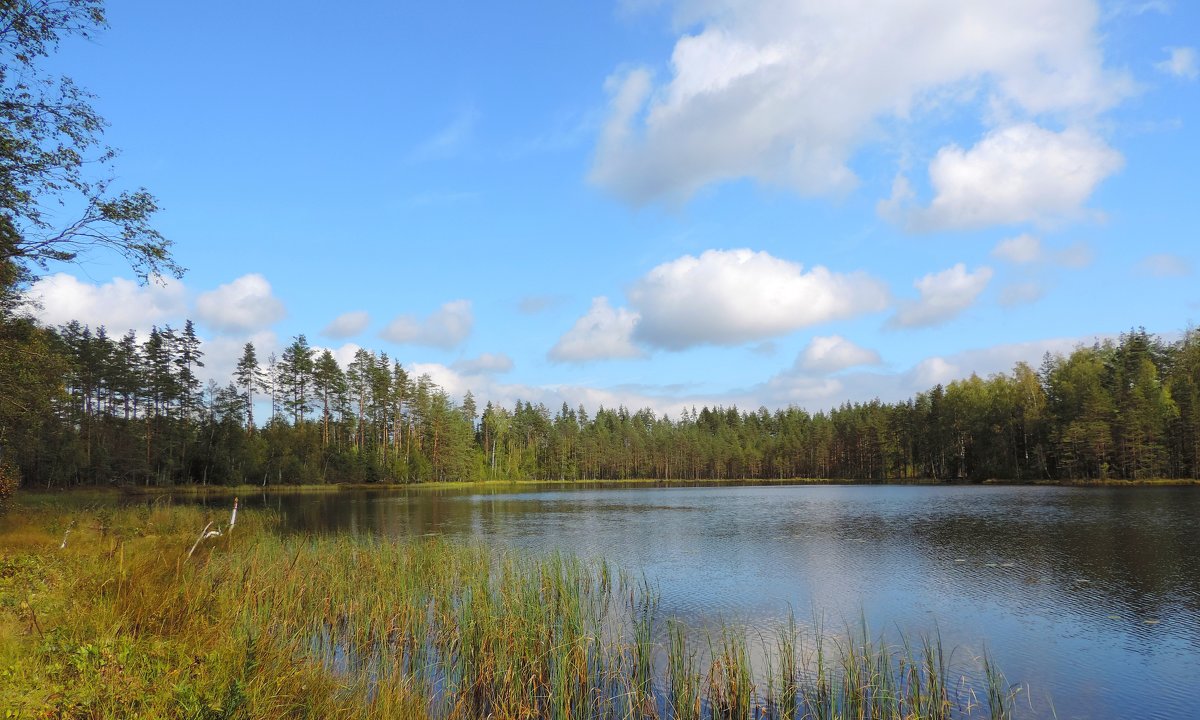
(205, 533)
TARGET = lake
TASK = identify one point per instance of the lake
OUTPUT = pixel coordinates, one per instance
(1089, 597)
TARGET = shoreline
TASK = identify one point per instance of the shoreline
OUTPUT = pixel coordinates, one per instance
(482, 485)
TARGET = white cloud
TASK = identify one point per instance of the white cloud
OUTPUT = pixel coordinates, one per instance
(486, 389)
(794, 386)
(727, 297)
(445, 328)
(1164, 265)
(603, 333)
(1021, 293)
(244, 305)
(896, 207)
(1021, 250)
(1180, 62)
(933, 371)
(347, 324)
(833, 353)
(1026, 249)
(943, 296)
(798, 386)
(1021, 173)
(485, 364)
(343, 354)
(1076, 256)
(222, 353)
(804, 391)
(785, 91)
(119, 305)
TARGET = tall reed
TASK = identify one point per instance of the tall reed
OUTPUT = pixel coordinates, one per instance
(260, 625)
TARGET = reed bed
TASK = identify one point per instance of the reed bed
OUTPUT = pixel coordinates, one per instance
(123, 622)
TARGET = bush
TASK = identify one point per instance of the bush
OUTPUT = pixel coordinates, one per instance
(9, 480)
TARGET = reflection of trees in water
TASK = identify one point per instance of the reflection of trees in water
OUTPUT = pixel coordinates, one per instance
(1130, 551)
(1136, 548)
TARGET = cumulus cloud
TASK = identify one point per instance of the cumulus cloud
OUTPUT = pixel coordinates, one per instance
(793, 386)
(799, 386)
(943, 296)
(1180, 62)
(445, 327)
(603, 333)
(833, 353)
(485, 364)
(1164, 265)
(343, 354)
(222, 353)
(727, 297)
(933, 371)
(244, 305)
(486, 388)
(785, 91)
(1021, 173)
(1020, 250)
(119, 305)
(347, 325)
(804, 391)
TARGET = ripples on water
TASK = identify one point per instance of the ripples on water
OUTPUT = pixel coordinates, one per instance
(1090, 596)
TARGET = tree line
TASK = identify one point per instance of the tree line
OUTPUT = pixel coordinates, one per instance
(81, 407)
(130, 410)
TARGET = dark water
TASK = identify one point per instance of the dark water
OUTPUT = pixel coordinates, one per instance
(1089, 596)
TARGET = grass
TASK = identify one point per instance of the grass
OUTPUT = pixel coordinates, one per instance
(490, 485)
(122, 623)
(105, 494)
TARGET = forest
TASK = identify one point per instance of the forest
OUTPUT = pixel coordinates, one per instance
(79, 406)
(98, 410)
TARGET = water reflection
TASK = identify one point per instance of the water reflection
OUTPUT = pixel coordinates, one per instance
(1092, 595)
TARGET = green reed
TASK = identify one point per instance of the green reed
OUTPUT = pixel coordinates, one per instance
(122, 622)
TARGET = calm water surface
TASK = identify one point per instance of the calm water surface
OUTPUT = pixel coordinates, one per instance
(1090, 596)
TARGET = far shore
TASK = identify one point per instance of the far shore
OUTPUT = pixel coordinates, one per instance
(284, 488)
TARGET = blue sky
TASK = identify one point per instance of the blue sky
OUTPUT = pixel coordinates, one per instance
(656, 203)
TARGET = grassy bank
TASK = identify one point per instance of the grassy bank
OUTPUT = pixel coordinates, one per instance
(132, 612)
(516, 485)
(218, 490)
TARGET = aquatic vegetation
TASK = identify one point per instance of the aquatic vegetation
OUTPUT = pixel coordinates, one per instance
(135, 616)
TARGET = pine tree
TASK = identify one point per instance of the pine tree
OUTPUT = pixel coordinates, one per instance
(187, 359)
(248, 377)
(296, 375)
(330, 382)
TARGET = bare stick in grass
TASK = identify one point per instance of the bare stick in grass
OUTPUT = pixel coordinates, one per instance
(205, 533)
